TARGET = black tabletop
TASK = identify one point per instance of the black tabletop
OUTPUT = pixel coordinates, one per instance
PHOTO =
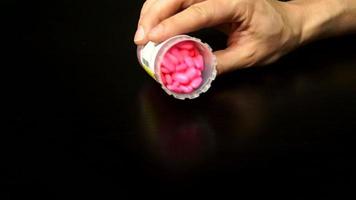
(84, 111)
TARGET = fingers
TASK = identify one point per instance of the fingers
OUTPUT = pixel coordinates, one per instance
(199, 15)
(159, 20)
(146, 6)
(140, 32)
(152, 13)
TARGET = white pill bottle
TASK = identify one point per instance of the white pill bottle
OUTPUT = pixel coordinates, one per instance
(151, 55)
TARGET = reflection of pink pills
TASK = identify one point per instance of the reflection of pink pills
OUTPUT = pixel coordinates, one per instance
(181, 68)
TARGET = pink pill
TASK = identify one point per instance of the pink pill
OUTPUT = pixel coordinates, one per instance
(192, 53)
(163, 79)
(186, 89)
(176, 53)
(172, 58)
(170, 87)
(196, 82)
(196, 51)
(181, 78)
(190, 89)
(168, 65)
(189, 61)
(181, 67)
(168, 79)
(199, 73)
(164, 70)
(177, 90)
(191, 73)
(199, 62)
(184, 53)
(174, 88)
(175, 83)
(186, 45)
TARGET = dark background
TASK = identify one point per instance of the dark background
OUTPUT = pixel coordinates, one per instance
(82, 111)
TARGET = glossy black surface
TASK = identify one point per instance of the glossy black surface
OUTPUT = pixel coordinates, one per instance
(83, 111)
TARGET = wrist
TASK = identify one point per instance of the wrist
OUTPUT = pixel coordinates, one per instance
(316, 19)
(293, 28)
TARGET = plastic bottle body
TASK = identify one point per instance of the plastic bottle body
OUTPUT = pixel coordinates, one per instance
(152, 55)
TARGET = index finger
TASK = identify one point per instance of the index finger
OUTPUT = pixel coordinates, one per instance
(200, 15)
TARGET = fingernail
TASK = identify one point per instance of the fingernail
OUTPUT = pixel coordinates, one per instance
(157, 30)
(140, 34)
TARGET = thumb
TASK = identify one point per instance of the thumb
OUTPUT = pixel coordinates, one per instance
(199, 15)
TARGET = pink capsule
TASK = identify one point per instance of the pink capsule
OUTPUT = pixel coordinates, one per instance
(170, 87)
(192, 53)
(175, 84)
(181, 78)
(189, 61)
(186, 89)
(191, 73)
(181, 67)
(172, 58)
(174, 88)
(196, 51)
(186, 45)
(190, 89)
(163, 79)
(184, 53)
(177, 90)
(168, 79)
(176, 53)
(168, 65)
(164, 69)
(199, 62)
(198, 73)
(196, 82)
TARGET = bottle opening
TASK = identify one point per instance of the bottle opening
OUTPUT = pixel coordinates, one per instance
(181, 68)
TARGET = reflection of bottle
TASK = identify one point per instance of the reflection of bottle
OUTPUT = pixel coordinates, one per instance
(176, 140)
(152, 57)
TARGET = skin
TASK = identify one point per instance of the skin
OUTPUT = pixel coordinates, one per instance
(259, 31)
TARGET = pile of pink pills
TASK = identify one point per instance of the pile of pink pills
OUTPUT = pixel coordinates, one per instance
(181, 68)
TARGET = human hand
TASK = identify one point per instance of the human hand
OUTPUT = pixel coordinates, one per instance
(259, 31)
